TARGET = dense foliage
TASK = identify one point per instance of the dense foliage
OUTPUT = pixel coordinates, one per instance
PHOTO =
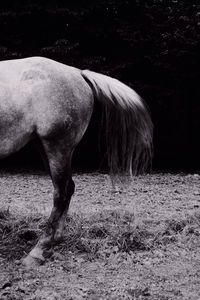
(153, 46)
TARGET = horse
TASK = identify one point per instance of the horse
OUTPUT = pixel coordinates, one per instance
(49, 101)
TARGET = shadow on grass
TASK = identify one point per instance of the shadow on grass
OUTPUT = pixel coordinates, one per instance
(18, 235)
(99, 235)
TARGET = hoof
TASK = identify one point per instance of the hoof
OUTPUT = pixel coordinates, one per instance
(35, 258)
(31, 261)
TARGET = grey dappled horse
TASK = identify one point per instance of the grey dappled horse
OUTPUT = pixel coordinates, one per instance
(41, 98)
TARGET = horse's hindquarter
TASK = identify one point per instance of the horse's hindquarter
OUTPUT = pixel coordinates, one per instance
(62, 104)
(42, 96)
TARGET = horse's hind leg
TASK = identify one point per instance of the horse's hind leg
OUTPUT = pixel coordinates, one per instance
(59, 159)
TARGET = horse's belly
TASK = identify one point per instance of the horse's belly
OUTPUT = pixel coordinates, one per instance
(10, 145)
(12, 139)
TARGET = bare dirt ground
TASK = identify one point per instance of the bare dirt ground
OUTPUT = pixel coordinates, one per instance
(106, 259)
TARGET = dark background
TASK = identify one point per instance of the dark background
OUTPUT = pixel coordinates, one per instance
(153, 46)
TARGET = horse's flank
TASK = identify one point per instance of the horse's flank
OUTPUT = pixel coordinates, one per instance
(37, 96)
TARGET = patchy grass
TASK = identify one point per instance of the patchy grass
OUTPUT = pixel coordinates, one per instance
(18, 233)
(140, 243)
(97, 236)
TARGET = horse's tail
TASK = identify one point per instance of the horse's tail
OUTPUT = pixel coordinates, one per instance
(129, 128)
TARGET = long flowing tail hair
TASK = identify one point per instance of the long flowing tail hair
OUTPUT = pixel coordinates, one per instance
(129, 128)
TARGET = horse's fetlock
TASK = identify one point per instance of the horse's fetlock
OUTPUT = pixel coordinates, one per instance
(58, 236)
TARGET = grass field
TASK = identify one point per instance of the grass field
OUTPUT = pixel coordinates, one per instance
(136, 242)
